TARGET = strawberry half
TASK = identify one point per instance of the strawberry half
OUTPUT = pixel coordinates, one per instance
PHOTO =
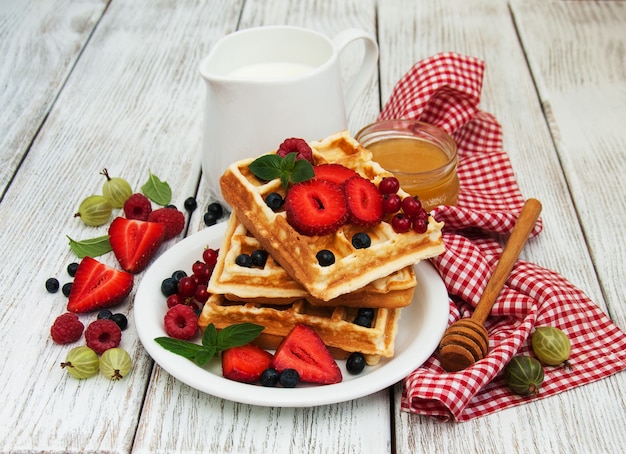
(333, 172)
(135, 242)
(97, 286)
(245, 363)
(365, 203)
(316, 207)
(303, 350)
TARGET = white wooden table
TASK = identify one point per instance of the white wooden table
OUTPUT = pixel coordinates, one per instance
(96, 83)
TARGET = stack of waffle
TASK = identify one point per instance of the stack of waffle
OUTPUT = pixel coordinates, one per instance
(292, 287)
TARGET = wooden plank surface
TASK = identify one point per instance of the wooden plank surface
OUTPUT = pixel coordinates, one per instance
(485, 29)
(39, 44)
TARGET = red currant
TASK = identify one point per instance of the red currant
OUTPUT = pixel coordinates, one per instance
(202, 294)
(420, 225)
(391, 203)
(411, 207)
(197, 267)
(388, 185)
(400, 223)
(210, 256)
(187, 286)
(174, 299)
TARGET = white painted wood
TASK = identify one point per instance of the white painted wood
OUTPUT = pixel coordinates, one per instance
(39, 44)
(133, 103)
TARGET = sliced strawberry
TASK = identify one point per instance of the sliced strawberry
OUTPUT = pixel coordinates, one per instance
(333, 172)
(303, 350)
(97, 286)
(245, 363)
(298, 146)
(135, 242)
(316, 207)
(365, 203)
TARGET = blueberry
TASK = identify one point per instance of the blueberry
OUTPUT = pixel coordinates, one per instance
(71, 269)
(269, 377)
(259, 257)
(244, 260)
(215, 209)
(210, 219)
(325, 257)
(120, 320)
(191, 204)
(178, 275)
(363, 321)
(52, 285)
(171, 206)
(274, 200)
(366, 312)
(361, 240)
(355, 363)
(67, 288)
(105, 314)
(289, 378)
(169, 286)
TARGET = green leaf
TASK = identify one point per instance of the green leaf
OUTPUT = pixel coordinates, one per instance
(92, 247)
(209, 338)
(204, 356)
(302, 171)
(266, 167)
(236, 335)
(156, 190)
(180, 347)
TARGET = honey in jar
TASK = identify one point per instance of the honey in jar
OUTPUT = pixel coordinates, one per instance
(421, 156)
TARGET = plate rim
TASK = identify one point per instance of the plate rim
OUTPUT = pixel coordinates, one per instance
(379, 377)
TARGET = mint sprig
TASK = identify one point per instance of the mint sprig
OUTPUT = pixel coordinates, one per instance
(92, 247)
(213, 342)
(271, 166)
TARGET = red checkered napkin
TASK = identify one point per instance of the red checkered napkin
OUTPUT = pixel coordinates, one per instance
(444, 90)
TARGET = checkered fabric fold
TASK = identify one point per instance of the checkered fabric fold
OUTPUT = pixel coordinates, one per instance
(444, 90)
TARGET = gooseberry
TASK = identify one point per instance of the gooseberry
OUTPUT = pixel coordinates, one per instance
(94, 210)
(116, 190)
(115, 363)
(81, 362)
(524, 375)
(551, 346)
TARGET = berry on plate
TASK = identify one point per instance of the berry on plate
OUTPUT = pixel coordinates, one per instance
(97, 286)
(303, 350)
(67, 328)
(173, 219)
(102, 335)
(333, 172)
(316, 207)
(245, 363)
(365, 203)
(298, 146)
(135, 242)
(181, 322)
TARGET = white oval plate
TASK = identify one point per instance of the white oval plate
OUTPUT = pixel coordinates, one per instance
(421, 326)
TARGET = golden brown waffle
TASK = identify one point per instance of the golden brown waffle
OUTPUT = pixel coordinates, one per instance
(333, 324)
(353, 268)
(272, 283)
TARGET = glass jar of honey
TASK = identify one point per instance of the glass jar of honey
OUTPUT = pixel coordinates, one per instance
(421, 156)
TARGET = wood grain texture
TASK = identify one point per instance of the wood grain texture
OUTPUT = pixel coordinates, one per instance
(39, 44)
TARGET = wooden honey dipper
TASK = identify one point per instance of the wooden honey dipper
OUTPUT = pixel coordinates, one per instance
(467, 341)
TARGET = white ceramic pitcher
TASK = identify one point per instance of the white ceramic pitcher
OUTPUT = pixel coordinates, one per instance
(266, 84)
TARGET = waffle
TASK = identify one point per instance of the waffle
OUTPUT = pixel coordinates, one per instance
(333, 324)
(272, 284)
(353, 268)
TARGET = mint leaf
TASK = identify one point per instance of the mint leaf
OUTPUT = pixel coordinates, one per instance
(156, 190)
(271, 166)
(92, 247)
(212, 342)
(236, 335)
(266, 167)
(180, 347)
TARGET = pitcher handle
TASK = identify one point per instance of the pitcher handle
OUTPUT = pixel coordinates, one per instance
(368, 65)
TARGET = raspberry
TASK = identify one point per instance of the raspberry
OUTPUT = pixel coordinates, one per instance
(298, 146)
(103, 334)
(181, 322)
(66, 328)
(173, 219)
(137, 206)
